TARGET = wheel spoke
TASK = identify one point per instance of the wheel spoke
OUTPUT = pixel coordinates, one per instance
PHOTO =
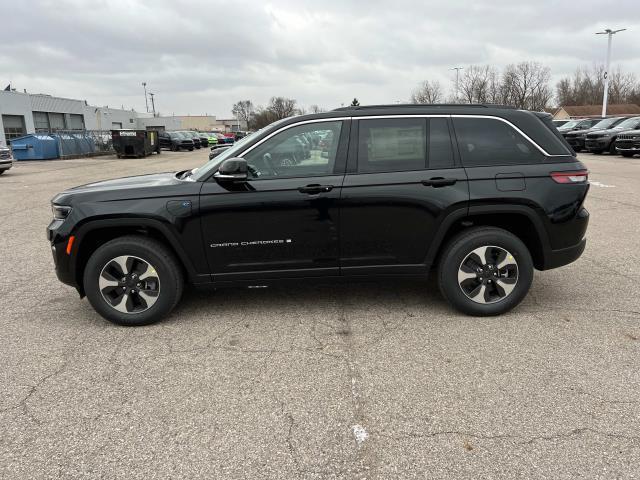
(506, 261)
(148, 272)
(478, 294)
(505, 286)
(481, 253)
(121, 306)
(107, 280)
(462, 275)
(149, 297)
(122, 263)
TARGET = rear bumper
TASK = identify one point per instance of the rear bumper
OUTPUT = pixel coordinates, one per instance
(564, 256)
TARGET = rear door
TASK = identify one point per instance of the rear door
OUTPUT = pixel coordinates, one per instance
(403, 179)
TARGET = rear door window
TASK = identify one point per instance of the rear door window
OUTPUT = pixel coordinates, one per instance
(392, 145)
(487, 141)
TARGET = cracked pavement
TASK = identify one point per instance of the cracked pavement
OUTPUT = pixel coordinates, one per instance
(276, 383)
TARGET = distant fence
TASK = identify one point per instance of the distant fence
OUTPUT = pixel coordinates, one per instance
(82, 143)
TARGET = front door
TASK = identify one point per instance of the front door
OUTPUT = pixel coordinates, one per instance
(284, 221)
(403, 179)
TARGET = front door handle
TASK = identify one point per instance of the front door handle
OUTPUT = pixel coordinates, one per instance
(437, 182)
(315, 188)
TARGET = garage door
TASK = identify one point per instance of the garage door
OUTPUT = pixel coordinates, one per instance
(13, 126)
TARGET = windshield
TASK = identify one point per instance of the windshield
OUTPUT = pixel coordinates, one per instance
(231, 152)
(570, 124)
(606, 123)
(629, 123)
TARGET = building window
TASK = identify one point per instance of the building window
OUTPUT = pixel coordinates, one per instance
(13, 126)
(41, 121)
(56, 121)
(76, 121)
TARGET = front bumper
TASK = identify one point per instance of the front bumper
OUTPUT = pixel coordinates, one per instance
(597, 143)
(575, 142)
(628, 146)
(64, 263)
(6, 164)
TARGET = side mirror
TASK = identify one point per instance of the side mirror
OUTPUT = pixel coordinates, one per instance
(232, 170)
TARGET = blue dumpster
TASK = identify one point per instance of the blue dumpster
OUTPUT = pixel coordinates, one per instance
(34, 147)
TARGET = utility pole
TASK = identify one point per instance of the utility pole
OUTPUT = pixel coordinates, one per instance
(146, 102)
(610, 33)
(153, 103)
(457, 69)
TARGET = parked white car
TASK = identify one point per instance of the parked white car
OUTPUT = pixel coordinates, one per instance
(6, 159)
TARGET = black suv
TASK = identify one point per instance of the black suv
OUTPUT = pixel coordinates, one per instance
(486, 194)
(577, 138)
(174, 141)
(605, 140)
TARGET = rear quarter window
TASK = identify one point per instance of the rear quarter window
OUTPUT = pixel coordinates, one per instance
(487, 141)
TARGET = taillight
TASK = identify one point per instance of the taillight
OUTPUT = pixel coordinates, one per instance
(579, 176)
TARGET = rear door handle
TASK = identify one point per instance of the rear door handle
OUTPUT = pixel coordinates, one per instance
(315, 188)
(437, 182)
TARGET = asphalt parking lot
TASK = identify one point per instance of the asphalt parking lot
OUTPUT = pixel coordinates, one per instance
(379, 380)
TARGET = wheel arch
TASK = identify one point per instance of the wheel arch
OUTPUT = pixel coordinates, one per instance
(93, 234)
(519, 220)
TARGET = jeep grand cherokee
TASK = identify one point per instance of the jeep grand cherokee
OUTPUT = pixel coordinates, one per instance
(483, 194)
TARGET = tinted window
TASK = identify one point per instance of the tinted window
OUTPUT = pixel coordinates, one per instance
(392, 145)
(439, 144)
(302, 151)
(485, 141)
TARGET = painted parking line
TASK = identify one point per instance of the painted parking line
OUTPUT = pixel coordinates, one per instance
(601, 185)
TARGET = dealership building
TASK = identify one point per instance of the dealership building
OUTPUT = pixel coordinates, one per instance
(24, 113)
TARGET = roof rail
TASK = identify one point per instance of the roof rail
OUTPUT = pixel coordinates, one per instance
(423, 105)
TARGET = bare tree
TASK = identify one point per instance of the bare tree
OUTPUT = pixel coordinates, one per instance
(316, 109)
(243, 110)
(282, 107)
(475, 84)
(526, 85)
(427, 92)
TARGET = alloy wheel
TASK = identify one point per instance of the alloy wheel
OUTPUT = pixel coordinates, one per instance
(488, 274)
(129, 284)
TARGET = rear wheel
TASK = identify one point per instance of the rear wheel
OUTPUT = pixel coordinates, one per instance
(612, 148)
(133, 281)
(485, 271)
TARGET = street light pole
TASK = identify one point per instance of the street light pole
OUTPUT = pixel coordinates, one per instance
(610, 33)
(146, 102)
(153, 104)
(457, 69)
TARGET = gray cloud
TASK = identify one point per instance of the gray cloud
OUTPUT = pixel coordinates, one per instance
(201, 56)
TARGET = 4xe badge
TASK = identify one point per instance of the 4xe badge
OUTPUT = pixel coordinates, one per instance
(251, 243)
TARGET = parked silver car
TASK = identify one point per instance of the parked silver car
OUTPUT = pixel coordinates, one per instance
(6, 159)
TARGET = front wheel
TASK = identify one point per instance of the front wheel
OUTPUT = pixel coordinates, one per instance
(627, 154)
(485, 271)
(133, 281)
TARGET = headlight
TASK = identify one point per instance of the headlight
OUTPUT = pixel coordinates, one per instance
(60, 212)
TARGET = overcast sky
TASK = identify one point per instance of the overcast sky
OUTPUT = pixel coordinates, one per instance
(201, 56)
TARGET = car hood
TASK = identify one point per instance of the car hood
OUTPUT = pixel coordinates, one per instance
(141, 186)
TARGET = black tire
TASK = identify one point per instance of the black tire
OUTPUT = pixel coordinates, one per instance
(174, 148)
(612, 147)
(627, 154)
(158, 256)
(457, 250)
(2, 171)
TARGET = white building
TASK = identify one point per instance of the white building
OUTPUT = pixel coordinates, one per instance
(23, 113)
